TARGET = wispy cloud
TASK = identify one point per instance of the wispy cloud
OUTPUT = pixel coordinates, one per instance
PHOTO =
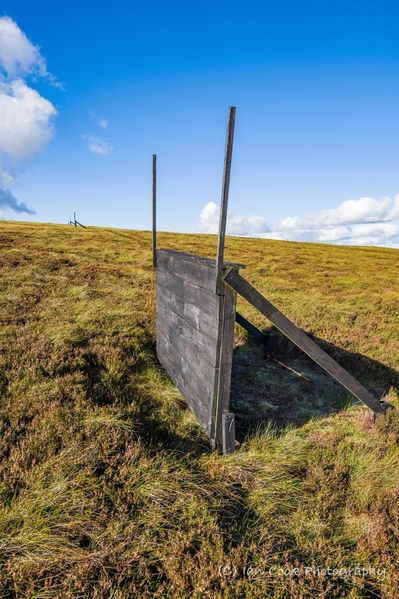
(101, 122)
(97, 145)
(26, 118)
(365, 221)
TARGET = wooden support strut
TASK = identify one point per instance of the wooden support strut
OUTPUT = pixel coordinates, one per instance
(267, 340)
(241, 286)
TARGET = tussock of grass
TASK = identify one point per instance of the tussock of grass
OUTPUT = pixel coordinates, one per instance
(108, 488)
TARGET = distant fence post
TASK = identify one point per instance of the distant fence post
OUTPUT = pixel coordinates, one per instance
(76, 223)
(154, 210)
(225, 197)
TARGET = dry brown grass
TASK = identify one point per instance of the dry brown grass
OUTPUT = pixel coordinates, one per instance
(108, 488)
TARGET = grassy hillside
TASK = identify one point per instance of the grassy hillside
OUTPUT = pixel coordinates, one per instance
(108, 488)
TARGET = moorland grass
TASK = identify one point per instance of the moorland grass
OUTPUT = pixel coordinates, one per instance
(108, 487)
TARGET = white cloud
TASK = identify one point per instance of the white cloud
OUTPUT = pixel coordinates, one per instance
(251, 225)
(25, 121)
(365, 221)
(364, 210)
(19, 57)
(355, 222)
(26, 118)
(373, 234)
(236, 224)
(103, 123)
(97, 145)
(209, 218)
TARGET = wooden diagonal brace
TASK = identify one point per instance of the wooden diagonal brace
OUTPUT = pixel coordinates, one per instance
(290, 330)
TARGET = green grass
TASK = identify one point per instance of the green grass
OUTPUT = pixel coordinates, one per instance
(108, 487)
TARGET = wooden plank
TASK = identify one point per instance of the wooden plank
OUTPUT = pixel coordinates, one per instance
(188, 292)
(193, 258)
(234, 279)
(228, 153)
(154, 210)
(167, 320)
(196, 401)
(226, 337)
(192, 366)
(229, 433)
(199, 272)
(179, 340)
(194, 269)
(196, 384)
(201, 321)
(200, 389)
(201, 413)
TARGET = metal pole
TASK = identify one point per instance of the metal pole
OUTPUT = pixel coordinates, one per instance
(74, 218)
(225, 197)
(154, 210)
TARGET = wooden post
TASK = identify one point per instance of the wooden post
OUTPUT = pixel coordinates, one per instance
(74, 219)
(154, 210)
(229, 433)
(225, 197)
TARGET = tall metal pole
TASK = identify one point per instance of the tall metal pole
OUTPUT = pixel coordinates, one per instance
(225, 197)
(154, 210)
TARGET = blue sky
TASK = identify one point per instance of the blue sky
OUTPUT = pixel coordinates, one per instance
(89, 90)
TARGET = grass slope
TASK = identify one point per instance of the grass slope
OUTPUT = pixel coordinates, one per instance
(108, 488)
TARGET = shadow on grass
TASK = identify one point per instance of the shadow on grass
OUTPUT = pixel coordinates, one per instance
(149, 406)
(282, 387)
(285, 386)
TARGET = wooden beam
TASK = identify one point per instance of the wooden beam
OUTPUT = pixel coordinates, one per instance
(154, 210)
(225, 197)
(256, 333)
(239, 284)
(269, 340)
